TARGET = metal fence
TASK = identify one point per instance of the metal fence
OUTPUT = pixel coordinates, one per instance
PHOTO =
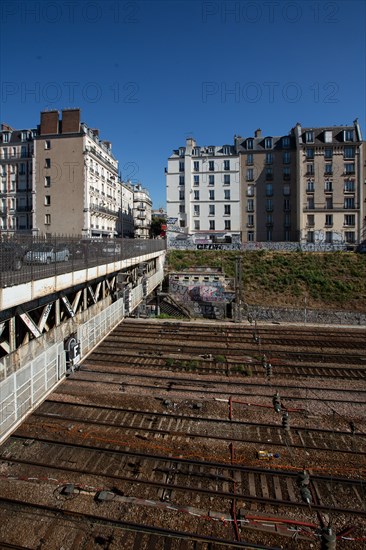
(26, 258)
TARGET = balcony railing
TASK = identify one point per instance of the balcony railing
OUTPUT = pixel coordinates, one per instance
(103, 209)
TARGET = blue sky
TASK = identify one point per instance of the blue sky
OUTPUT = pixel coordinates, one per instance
(150, 73)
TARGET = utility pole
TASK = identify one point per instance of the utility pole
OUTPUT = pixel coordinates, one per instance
(238, 289)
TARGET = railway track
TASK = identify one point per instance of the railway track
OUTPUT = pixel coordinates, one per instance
(189, 428)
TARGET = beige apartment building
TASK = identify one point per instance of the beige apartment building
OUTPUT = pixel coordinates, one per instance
(142, 204)
(77, 190)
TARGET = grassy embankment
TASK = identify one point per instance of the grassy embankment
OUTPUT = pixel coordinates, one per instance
(327, 280)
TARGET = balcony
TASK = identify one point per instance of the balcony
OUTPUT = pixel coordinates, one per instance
(103, 210)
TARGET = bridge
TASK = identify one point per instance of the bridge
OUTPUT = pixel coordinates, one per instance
(57, 303)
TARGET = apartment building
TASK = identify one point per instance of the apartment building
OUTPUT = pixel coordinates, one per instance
(17, 167)
(330, 178)
(126, 227)
(306, 186)
(268, 187)
(203, 190)
(142, 205)
(76, 181)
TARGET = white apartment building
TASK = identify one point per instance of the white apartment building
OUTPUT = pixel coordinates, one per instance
(126, 224)
(16, 179)
(142, 205)
(203, 191)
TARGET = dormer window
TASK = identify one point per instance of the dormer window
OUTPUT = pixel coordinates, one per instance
(6, 136)
(309, 137)
(181, 152)
(226, 150)
(348, 135)
(328, 136)
(250, 143)
(24, 136)
(196, 151)
(268, 143)
(210, 150)
(285, 141)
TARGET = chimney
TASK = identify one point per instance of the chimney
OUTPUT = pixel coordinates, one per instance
(71, 121)
(95, 132)
(258, 133)
(49, 123)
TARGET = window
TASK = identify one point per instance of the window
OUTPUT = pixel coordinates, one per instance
(13, 151)
(196, 180)
(329, 168)
(269, 189)
(227, 225)
(197, 225)
(269, 173)
(310, 169)
(196, 195)
(349, 153)
(196, 151)
(196, 166)
(269, 234)
(212, 225)
(250, 191)
(196, 210)
(286, 157)
(250, 205)
(349, 186)
(211, 165)
(310, 186)
(250, 174)
(6, 137)
(286, 173)
(286, 204)
(349, 236)
(211, 179)
(22, 169)
(226, 165)
(48, 163)
(211, 209)
(250, 220)
(47, 219)
(309, 153)
(348, 135)
(47, 200)
(269, 218)
(287, 219)
(328, 186)
(181, 209)
(250, 236)
(269, 158)
(309, 137)
(23, 151)
(269, 205)
(181, 180)
(181, 166)
(227, 194)
(329, 237)
(349, 219)
(329, 220)
(181, 195)
(250, 143)
(5, 152)
(310, 237)
(181, 152)
(286, 190)
(328, 136)
(226, 151)
(349, 202)
(226, 179)
(349, 168)
(47, 144)
(329, 203)
(181, 223)
(250, 159)
(268, 143)
(310, 220)
(227, 209)
(47, 181)
(328, 153)
(211, 195)
(285, 141)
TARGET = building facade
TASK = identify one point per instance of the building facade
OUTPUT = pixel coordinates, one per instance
(76, 180)
(127, 222)
(141, 211)
(307, 186)
(203, 190)
(17, 166)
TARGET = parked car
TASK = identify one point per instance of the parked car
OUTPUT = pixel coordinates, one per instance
(11, 256)
(47, 254)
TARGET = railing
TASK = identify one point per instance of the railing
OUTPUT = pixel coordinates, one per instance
(24, 258)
